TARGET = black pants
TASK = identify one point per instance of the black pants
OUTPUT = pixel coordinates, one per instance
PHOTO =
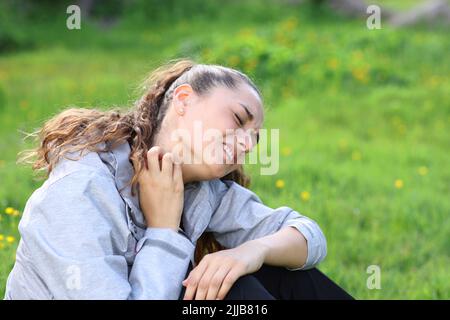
(278, 283)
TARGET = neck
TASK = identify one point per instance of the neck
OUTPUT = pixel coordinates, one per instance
(162, 140)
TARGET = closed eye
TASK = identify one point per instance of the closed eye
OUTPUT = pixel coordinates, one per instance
(238, 119)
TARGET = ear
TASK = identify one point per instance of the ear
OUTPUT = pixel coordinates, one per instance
(181, 97)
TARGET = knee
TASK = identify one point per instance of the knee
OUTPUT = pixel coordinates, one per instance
(248, 287)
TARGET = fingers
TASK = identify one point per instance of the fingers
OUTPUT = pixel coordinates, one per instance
(228, 282)
(167, 165)
(216, 282)
(192, 281)
(203, 284)
(190, 291)
(210, 281)
(177, 174)
(153, 159)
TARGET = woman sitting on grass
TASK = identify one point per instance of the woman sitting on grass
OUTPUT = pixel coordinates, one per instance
(122, 215)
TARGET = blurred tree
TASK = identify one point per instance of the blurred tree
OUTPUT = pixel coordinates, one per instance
(12, 36)
(431, 11)
(106, 14)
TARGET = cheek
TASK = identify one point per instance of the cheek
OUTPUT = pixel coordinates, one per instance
(218, 120)
(220, 171)
(206, 132)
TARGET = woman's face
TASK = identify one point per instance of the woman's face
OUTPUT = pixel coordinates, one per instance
(213, 131)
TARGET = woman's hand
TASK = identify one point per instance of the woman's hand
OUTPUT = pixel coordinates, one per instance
(161, 190)
(217, 272)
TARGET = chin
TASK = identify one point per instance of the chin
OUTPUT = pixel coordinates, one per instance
(216, 171)
(209, 172)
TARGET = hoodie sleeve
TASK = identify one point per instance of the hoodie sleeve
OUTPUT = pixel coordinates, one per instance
(77, 241)
(240, 216)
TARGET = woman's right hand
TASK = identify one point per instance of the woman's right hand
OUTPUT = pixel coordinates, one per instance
(161, 190)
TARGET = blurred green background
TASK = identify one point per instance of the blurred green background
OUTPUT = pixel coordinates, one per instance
(363, 115)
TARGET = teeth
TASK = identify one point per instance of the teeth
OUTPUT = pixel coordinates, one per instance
(228, 152)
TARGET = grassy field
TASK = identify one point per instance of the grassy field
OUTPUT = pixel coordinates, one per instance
(363, 118)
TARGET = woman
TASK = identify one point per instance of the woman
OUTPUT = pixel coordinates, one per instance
(124, 207)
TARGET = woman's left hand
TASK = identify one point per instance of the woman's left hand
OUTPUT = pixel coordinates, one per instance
(216, 273)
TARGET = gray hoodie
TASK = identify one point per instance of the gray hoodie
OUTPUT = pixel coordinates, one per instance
(83, 235)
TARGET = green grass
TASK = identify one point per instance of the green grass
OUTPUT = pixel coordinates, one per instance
(357, 110)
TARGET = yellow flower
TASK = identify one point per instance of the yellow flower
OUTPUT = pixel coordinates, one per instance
(343, 144)
(16, 213)
(251, 65)
(289, 24)
(9, 210)
(305, 195)
(357, 55)
(2, 237)
(356, 156)
(422, 170)
(279, 184)
(333, 63)
(286, 151)
(286, 93)
(246, 33)
(234, 60)
(433, 81)
(10, 239)
(206, 53)
(398, 183)
(311, 36)
(23, 104)
(360, 74)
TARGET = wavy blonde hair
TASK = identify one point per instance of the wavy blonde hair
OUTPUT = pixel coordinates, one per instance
(81, 129)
